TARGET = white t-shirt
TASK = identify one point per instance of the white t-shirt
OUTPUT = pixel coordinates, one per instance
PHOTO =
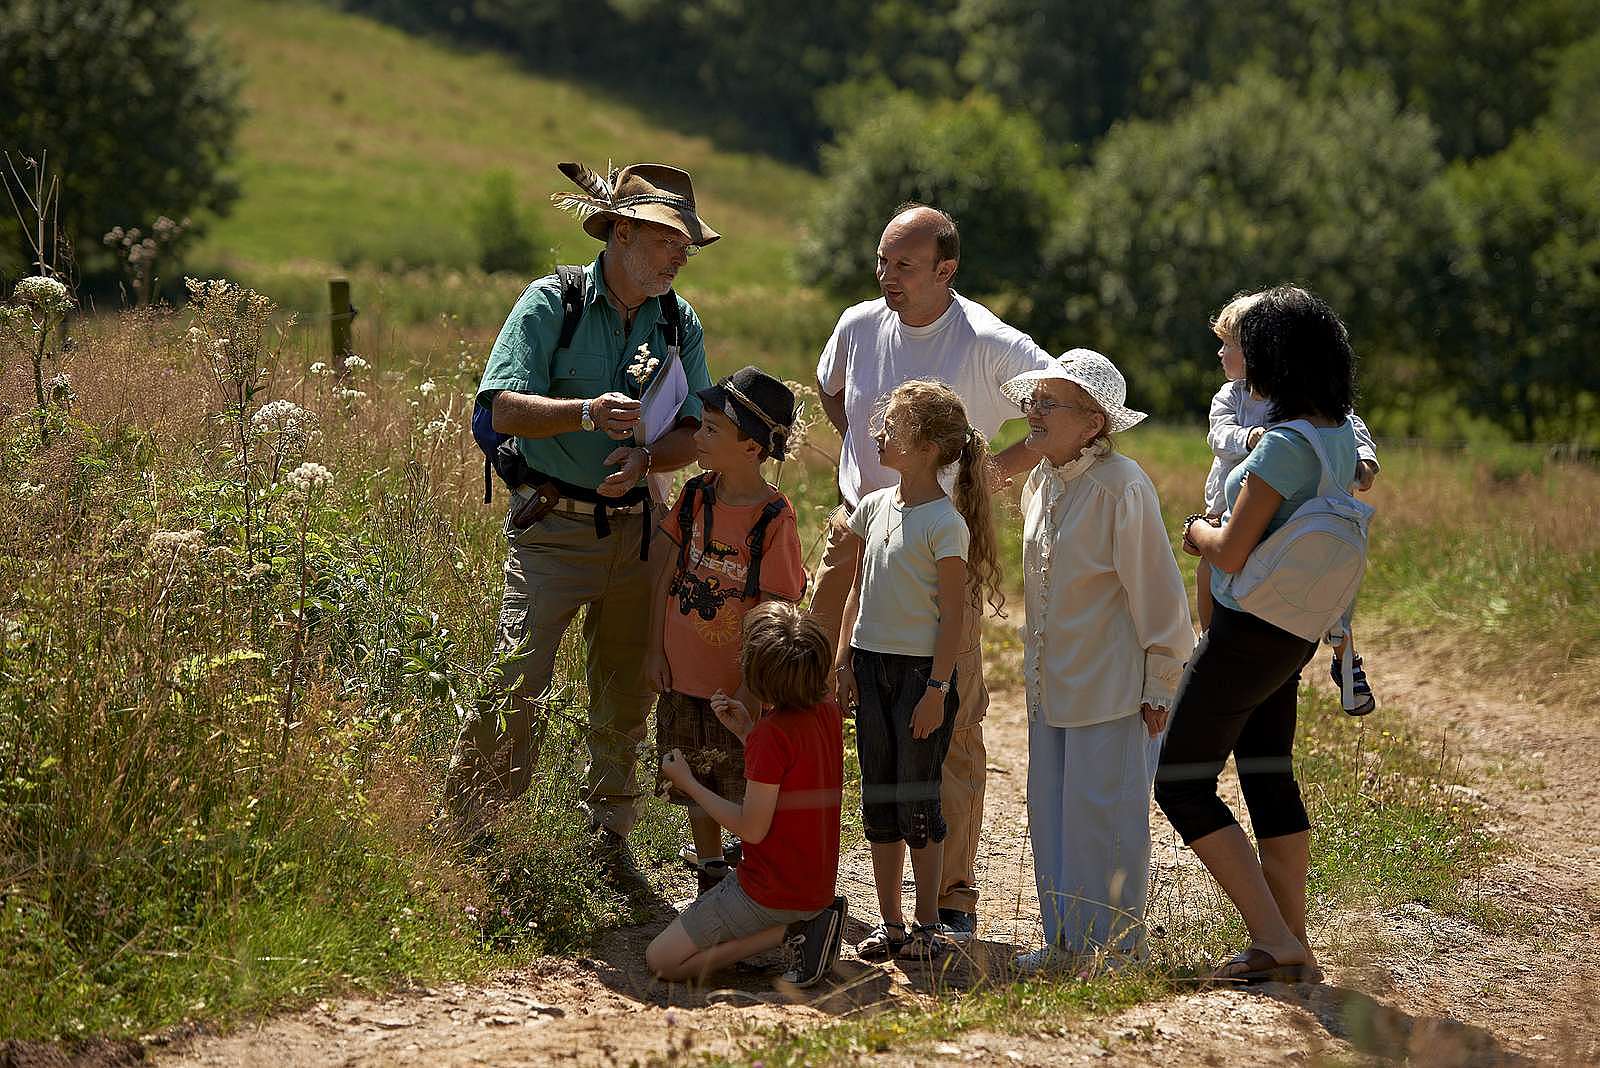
(871, 352)
(899, 611)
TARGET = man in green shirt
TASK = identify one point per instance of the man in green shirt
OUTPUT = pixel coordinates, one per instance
(579, 425)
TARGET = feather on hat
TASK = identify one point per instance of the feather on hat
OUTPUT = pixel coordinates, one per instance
(651, 192)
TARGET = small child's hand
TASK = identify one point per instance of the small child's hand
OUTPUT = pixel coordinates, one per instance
(845, 684)
(928, 715)
(733, 714)
(1254, 436)
(676, 769)
(1366, 472)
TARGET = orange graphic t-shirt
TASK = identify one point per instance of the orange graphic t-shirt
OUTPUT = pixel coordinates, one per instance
(706, 603)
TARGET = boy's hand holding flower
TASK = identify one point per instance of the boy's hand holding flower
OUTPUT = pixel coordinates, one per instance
(676, 769)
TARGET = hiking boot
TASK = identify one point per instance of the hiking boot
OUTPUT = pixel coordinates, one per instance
(813, 945)
(618, 866)
(1360, 688)
(708, 873)
(958, 924)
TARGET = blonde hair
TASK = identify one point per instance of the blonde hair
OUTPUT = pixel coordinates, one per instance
(1225, 324)
(786, 656)
(930, 413)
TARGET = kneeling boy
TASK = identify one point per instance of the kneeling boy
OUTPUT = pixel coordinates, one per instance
(783, 890)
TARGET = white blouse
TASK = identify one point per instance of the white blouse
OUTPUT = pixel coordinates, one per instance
(1107, 625)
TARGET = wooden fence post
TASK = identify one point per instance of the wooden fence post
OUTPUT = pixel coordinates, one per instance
(343, 314)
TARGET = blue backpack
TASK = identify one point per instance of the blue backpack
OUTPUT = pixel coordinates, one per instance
(500, 453)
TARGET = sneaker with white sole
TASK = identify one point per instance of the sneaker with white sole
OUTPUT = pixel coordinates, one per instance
(1046, 960)
(813, 945)
(959, 925)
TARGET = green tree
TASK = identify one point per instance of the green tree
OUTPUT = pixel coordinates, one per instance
(506, 238)
(970, 158)
(1525, 314)
(136, 111)
(1252, 185)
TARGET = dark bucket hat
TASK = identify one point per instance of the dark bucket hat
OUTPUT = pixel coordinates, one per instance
(760, 405)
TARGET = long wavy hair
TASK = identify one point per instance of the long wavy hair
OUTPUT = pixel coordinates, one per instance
(930, 413)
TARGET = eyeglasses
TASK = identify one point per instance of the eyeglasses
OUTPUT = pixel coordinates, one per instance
(686, 248)
(1044, 407)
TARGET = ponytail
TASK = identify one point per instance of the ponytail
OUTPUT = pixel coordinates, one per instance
(973, 474)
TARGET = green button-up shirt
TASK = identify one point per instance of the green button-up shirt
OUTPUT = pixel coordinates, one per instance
(524, 359)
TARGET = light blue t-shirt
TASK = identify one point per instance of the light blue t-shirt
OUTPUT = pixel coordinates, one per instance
(1285, 461)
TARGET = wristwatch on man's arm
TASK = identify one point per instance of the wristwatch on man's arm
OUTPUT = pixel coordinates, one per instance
(585, 417)
(943, 686)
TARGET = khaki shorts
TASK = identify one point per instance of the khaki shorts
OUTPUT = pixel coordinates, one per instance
(726, 912)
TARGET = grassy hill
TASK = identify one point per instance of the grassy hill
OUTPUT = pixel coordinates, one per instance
(365, 143)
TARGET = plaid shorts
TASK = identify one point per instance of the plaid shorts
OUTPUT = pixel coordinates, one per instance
(714, 753)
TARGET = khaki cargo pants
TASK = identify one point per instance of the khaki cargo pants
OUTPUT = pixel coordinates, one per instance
(553, 568)
(962, 779)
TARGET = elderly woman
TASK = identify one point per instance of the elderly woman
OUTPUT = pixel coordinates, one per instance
(1239, 693)
(1107, 634)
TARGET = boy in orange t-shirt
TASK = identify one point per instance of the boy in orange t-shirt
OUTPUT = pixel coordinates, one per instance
(733, 545)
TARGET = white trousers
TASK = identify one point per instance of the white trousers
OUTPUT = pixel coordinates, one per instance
(1089, 819)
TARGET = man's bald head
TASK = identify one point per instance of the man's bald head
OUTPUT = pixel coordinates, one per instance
(916, 221)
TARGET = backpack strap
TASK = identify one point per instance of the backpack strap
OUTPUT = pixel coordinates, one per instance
(672, 321)
(574, 296)
(1327, 486)
(757, 540)
(695, 486)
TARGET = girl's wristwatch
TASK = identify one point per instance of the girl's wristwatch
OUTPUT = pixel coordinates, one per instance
(941, 686)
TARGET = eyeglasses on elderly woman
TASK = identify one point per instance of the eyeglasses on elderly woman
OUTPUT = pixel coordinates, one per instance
(1045, 405)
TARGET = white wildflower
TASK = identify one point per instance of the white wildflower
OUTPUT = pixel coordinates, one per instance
(427, 388)
(61, 389)
(350, 396)
(291, 426)
(308, 478)
(354, 363)
(45, 297)
(320, 368)
(167, 545)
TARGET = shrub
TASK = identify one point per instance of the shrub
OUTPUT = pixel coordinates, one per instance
(506, 238)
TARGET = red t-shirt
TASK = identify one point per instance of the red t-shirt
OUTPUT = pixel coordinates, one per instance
(707, 606)
(801, 750)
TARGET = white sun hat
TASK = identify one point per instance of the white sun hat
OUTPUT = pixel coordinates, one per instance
(1097, 375)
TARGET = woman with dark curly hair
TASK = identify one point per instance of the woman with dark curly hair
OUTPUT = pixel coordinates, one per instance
(1238, 693)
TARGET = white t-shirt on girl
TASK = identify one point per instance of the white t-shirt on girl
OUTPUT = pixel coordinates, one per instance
(968, 348)
(899, 611)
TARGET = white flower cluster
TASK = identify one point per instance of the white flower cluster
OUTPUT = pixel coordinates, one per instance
(164, 545)
(355, 363)
(350, 396)
(42, 296)
(438, 428)
(293, 428)
(308, 478)
(319, 369)
(427, 388)
(643, 366)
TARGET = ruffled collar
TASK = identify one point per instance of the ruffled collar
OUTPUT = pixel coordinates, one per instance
(1091, 454)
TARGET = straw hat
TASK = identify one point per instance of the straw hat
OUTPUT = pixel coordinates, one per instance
(651, 192)
(1097, 375)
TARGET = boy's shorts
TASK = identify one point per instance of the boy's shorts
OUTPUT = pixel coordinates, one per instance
(726, 912)
(900, 775)
(714, 753)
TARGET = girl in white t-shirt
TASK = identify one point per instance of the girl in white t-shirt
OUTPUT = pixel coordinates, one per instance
(903, 622)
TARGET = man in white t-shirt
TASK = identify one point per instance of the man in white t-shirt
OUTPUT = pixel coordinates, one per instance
(922, 328)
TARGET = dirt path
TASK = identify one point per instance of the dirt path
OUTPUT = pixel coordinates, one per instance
(1436, 989)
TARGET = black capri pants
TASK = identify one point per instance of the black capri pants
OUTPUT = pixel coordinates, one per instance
(1238, 695)
(900, 775)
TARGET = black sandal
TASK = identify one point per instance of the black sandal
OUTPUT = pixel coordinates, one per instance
(926, 942)
(882, 942)
(1263, 967)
